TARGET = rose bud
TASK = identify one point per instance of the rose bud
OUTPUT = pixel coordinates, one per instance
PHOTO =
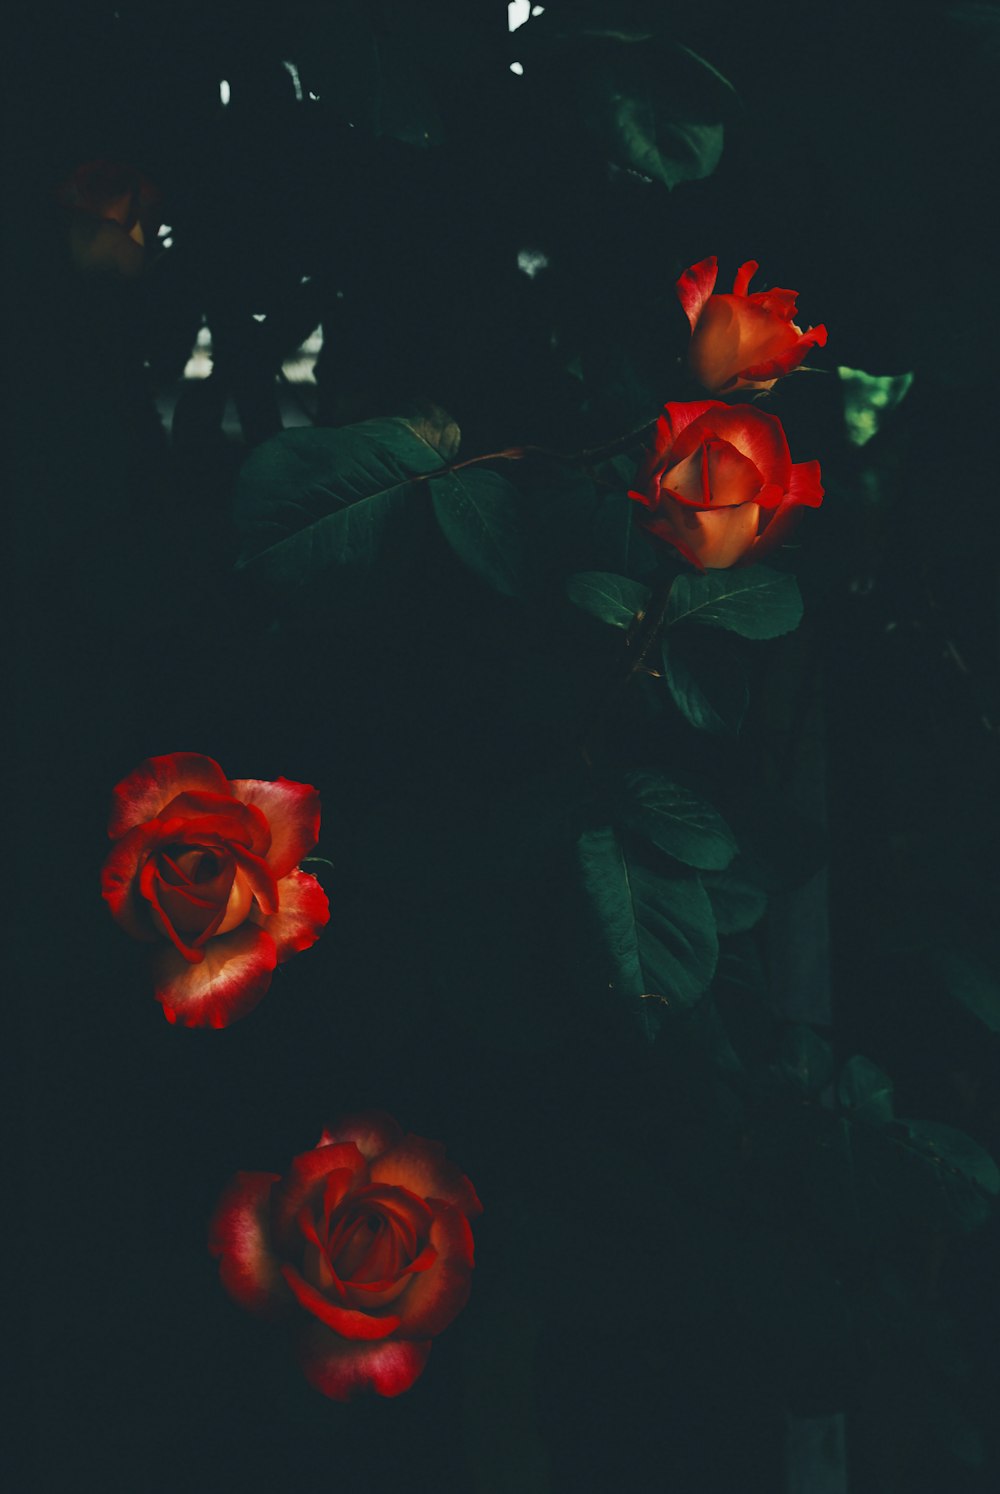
(363, 1248)
(114, 209)
(207, 868)
(741, 341)
(720, 484)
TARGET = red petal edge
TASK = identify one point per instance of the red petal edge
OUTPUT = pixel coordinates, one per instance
(231, 979)
(151, 785)
(341, 1370)
(239, 1237)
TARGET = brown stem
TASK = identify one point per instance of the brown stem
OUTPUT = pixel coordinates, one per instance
(518, 453)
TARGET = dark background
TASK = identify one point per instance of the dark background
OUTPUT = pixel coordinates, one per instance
(860, 167)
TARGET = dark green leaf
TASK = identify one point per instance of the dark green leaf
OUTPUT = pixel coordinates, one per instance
(614, 599)
(708, 683)
(316, 507)
(738, 903)
(969, 981)
(756, 603)
(657, 931)
(865, 1090)
(676, 821)
(478, 514)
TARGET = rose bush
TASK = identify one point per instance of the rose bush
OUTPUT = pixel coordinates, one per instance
(744, 340)
(363, 1248)
(114, 210)
(209, 870)
(720, 484)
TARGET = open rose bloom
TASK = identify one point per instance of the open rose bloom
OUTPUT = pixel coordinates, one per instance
(720, 484)
(746, 340)
(114, 211)
(208, 869)
(363, 1248)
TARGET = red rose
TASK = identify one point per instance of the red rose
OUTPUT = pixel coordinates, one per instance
(364, 1247)
(208, 868)
(114, 209)
(720, 485)
(741, 341)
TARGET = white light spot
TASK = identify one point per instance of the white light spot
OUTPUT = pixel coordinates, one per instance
(300, 367)
(167, 242)
(530, 261)
(516, 67)
(164, 231)
(199, 365)
(259, 316)
(314, 96)
(306, 280)
(340, 295)
(293, 73)
(538, 10)
(518, 11)
(225, 92)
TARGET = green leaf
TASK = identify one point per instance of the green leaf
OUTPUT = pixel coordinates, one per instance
(649, 141)
(614, 599)
(756, 603)
(737, 902)
(708, 683)
(676, 821)
(657, 931)
(868, 398)
(478, 514)
(969, 981)
(960, 1162)
(316, 508)
(865, 1090)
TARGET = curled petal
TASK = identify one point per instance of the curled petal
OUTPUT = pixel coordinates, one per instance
(695, 286)
(372, 1132)
(221, 815)
(152, 785)
(119, 882)
(233, 975)
(341, 1369)
(303, 910)
(305, 1182)
(239, 1235)
(348, 1322)
(293, 812)
(422, 1168)
(744, 275)
(439, 1293)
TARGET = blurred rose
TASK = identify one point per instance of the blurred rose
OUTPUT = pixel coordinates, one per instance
(741, 341)
(114, 212)
(720, 484)
(363, 1247)
(208, 869)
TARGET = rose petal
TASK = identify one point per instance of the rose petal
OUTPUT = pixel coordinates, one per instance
(346, 1321)
(695, 286)
(369, 1294)
(305, 1183)
(804, 487)
(372, 1131)
(142, 795)
(422, 1167)
(119, 882)
(341, 1369)
(760, 437)
(438, 1294)
(223, 816)
(293, 812)
(788, 358)
(714, 538)
(230, 980)
(239, 1235)
(303, 912)
(744, 275)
